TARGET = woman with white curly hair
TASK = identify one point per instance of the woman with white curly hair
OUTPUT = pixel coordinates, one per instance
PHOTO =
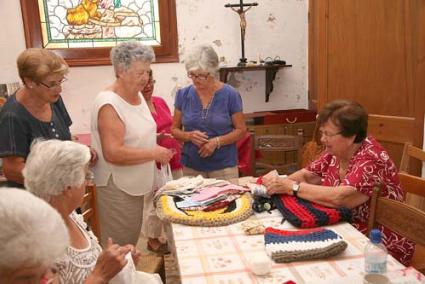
(32, 236)
(124, 136)
(56, 172)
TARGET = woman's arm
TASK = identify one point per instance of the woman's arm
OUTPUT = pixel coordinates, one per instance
(12, 168)
(112, 131)
(196, 137)
(338, 196)
(237, 133)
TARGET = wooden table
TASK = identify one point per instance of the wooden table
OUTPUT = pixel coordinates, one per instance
(221, 254)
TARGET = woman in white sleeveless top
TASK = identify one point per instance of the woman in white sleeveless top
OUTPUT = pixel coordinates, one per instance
(124, 135)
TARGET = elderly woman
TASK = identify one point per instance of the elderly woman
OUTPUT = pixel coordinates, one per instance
(35, 110)
(32, 236)
(153, 227)
(208, 118)
(56, 171)
(344, 176)
(124, 135)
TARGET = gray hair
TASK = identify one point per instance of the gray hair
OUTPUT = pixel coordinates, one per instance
(53, 165)
(32, 232)
(203, 58)
(125, 53)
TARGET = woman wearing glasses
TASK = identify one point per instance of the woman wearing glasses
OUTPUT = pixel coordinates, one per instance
(124, 135)
(152, 225)
(345, 174)
(208, 118)
(35, 110)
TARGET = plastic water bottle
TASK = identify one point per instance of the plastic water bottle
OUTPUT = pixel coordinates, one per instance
(375, 254)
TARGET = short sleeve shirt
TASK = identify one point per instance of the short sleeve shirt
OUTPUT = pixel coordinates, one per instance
(18, 128)
(215, 120)
(369, 166)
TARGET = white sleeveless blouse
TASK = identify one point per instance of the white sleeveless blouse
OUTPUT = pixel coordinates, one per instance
(140, 132)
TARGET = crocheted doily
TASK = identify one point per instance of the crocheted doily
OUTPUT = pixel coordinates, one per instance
(288, 246)
(238, 210)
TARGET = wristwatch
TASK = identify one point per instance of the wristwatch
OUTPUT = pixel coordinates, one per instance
(295, 188)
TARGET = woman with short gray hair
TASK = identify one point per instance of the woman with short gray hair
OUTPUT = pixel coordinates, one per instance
(124, 135)
(32, 236)
(208, 118)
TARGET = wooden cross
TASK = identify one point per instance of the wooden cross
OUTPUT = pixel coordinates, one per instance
(240, 10)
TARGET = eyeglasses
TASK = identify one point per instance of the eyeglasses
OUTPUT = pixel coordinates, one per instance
(328, 135)
(202, 77)
(53, 85)
(151, 82)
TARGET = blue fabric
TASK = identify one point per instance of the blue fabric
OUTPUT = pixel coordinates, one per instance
(18, 128)
(322, 235)
(215, 121)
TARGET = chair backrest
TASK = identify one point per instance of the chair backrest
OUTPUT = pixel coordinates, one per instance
(397, 216)
(89, 209)
(410, 151)
(411, 184)
(282, 150)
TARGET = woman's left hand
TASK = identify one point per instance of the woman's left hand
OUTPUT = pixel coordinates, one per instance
(135, 253)
(278, 185)
(208, 148)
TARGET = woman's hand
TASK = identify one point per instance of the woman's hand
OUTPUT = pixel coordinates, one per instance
(135, 253)
(109, 263)
(162, 154)
(198, 138)
(208, 148)
(162, 135)
(278, 185)
(93, 157)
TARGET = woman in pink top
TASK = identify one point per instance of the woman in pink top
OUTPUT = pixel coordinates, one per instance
(152, 226)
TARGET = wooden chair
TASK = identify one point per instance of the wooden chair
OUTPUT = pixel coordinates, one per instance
(89, 209)
(399, 217)
(281, 152)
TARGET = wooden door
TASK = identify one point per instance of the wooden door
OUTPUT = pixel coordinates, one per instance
(372, 51)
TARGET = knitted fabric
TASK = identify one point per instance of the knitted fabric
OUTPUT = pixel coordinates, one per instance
(288, 246)
(237, 211)
(305, 214)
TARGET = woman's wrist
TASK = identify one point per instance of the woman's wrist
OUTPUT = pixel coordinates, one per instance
(218, 142)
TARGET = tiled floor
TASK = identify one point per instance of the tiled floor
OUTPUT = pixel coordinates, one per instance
(171, 270)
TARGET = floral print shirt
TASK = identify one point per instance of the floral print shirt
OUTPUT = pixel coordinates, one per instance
(369, 166)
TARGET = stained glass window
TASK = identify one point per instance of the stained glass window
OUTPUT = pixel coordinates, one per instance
(98, 23)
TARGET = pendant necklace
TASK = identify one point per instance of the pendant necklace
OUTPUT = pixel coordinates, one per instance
(204, 111)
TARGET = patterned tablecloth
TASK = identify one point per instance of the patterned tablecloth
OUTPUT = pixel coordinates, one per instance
(221, 255)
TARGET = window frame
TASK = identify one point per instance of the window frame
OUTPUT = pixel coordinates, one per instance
(166, 52)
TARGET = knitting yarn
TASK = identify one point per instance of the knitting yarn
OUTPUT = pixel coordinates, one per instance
(306, 214)
(236, 211)
(288, 246)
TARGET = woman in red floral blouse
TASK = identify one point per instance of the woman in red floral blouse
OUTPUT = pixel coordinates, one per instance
(346, 172)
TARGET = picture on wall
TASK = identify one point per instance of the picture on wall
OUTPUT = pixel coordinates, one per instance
(83, 31)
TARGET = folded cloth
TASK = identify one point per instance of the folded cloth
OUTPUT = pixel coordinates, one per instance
(288, 246)
(306, 214)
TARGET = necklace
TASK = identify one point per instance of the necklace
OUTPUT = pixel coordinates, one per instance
(204, 111)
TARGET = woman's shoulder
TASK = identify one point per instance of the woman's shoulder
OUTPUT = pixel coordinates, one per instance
(372, 150)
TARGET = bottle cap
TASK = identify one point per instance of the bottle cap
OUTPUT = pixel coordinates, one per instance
(375, 236)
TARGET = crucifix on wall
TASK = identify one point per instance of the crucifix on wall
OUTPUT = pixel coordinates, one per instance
(241, 9)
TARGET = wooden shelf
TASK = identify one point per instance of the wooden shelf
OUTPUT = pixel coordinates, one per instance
(271, 71)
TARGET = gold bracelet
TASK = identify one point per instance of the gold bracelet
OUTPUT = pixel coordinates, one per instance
(218, 142)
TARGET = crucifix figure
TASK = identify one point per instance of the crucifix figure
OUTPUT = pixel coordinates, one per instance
(239, 8)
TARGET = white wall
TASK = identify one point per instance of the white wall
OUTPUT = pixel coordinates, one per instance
(274, 28)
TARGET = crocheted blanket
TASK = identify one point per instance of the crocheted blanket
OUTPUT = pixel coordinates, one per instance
(305, 214)
(288, 246)
(236, 211)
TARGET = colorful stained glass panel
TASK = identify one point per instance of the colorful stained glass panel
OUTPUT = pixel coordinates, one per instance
(98, 23)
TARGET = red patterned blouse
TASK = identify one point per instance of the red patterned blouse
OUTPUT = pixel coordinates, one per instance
(370, 165)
